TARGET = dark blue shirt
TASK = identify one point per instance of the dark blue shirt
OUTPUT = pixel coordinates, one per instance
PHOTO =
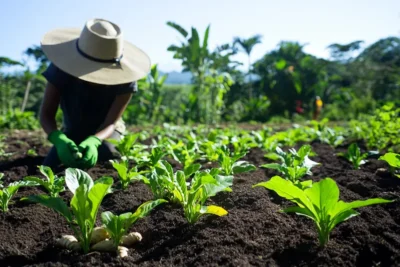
(84, 105)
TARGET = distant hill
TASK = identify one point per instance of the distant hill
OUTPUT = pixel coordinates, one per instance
(175, 77)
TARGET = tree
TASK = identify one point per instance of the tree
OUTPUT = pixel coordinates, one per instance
(206, 98)
(247, 46)
(344, 52)
(5, 61)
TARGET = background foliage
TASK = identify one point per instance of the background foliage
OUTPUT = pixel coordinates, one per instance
(353, 82)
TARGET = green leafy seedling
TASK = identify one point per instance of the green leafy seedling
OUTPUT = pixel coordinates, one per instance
(161, 180)
(126, 175)
(294, 165)
(354, 156)
(84, 205)
(6, 193)
(117, 226)
(52, 183)
(202, 187)
(230, 164)
(125, 144)
(320, 203)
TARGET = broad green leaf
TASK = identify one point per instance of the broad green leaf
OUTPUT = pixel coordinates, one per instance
(274, 166)
(75, 177)
(300, 211)
(392, 159)
(300, 172)
(121, 168)
(81, 208)
(166, 167)
(288, 190)
(13, 188)
(213, 210)
(107, 217)
(54, 203)
(144, 209)
(324, 195)
(304, 151)
(243, 166)
(180, 188)
(96, 195)
(344, 206)
(306, 184)
(113, 224)
(271, 156)
(341, 217)
(48, 173)
(223, 183)
(38, 181)
(189, 170)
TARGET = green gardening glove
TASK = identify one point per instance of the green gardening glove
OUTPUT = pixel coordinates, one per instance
(66, 148)
(89, 151)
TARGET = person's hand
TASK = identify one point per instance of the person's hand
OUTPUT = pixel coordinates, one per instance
(89, 151)
(66, 148)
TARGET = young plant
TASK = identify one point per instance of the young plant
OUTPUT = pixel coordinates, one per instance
(242, 144)
(230, 164)
(53, 184)
(6, 193)
(185, 154)
(157, 153)
(161, 180)
(117, 226)
(126, 175)
(320, 203)
(210, 150)
(124, 146)
(393, 160)
(294, 165)
(354, 156)
(202, 187)
(85, 203)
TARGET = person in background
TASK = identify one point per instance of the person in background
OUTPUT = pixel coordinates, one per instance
(92, 77)
(317, 108)
(299, 107)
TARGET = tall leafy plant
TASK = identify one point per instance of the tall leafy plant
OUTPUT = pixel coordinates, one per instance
(210, 86)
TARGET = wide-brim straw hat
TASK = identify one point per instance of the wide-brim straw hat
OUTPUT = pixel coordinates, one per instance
(97, 53)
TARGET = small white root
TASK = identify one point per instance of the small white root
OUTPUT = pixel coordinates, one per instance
(131, 238)
(104, 246)
(68, 242)
(99, 234)
(122, 252)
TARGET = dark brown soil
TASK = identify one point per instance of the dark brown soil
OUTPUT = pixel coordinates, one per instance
(254, 233)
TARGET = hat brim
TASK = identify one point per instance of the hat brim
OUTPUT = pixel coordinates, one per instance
(60, 48)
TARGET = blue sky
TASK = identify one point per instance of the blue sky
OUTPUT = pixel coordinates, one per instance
(312, 22)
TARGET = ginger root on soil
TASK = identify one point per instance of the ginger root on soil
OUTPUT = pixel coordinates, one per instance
(99, 234)
(130, 239)
(69, 242)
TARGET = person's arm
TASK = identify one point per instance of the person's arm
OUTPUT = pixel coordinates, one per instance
(114, 114)
(66, 148)
(48, 110)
